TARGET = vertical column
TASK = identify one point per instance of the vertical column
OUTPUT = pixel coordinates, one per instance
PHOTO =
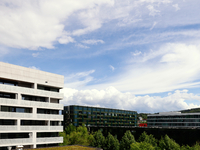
(35, 85)
(18, 124)
(19, 96)
(34, 112)
(48, 124)
(34, 136)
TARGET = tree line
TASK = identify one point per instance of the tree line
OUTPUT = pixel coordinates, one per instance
(79, 135)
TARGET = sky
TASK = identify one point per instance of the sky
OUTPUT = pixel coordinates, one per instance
(141, 55)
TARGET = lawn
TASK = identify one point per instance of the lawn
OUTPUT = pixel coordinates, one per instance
(74, 147)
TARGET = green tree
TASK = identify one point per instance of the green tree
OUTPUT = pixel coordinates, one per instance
(195, 147)
(168, 144)
(142, 146)
(65, 139)
(148, 139)
(98, 140)
(80, 136)
(111, 143)
(76, 136)
(70, 128)
(126, 141)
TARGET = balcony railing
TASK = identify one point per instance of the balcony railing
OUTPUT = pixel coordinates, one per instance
(15, 115)
(14, 142)
(30, 116)
(49, 140)
(30, 91)
(7, 101)
(8, 128)
(50, 116)
(41, 128)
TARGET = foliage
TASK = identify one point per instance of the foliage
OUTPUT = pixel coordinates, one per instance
(81, 136)
(195, 147)
(126, 141)
(65, 139)
(143, 115)
(142, 146)
(70, 128)
(77, 136)
(194, 110)
(148, 139)
(168, 144)
(111, 143)
(98, 140)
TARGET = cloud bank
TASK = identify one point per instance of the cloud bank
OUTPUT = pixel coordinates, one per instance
(113, 98)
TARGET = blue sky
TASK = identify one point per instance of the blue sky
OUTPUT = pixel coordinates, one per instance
(141, 55)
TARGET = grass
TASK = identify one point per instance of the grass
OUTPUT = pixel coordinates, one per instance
(74, 147)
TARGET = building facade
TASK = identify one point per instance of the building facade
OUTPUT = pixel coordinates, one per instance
(29, 107)
(174, 119)
(96, 116)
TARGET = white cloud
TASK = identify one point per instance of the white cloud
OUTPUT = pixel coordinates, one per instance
(65, 40)
(112, 68)
(113, 98)
(173, 66)
(176, 7)
(34, 24)
(35, 54)
(33, 67)
(79, 80)
(92, 42)
(153, 11)
(82, 46)
(136, 53)
(154, 24)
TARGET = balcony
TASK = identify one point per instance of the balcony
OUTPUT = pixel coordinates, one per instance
(15, 115)
(10, 115)
(15, 102)
(14, 142)
(50, 117)
(49, 140)
(30, 91)
(6, 128)
(42, 128)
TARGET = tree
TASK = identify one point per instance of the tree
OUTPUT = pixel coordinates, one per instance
(111, 143)
(98, 140)
(148, 139)
(142, 146)
(70, 128)
(65, 139)
(76, 136)
(126, 141)
(168, 144)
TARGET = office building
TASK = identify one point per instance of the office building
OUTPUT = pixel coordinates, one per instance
(96, 116)
(174, 119)
(29, 107)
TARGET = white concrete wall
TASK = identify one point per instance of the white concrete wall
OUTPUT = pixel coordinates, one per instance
(30, 75)
(35, 77)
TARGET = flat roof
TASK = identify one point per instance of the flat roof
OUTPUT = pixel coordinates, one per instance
(100, 108)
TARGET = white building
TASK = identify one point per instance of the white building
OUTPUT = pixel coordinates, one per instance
(174, 120)
(29, 107)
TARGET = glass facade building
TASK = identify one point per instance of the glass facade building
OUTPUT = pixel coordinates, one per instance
(96, 116)
(174, 119)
